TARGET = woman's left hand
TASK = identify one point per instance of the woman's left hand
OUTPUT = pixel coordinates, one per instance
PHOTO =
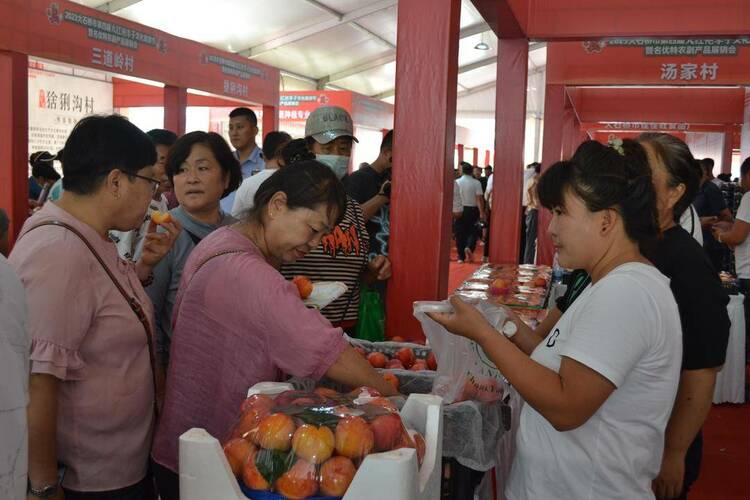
(380, 267)
(465, 321)
(157, 245)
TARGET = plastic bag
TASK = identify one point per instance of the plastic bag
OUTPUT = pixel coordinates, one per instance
(464, 371)
(370, 325)
(302, 444)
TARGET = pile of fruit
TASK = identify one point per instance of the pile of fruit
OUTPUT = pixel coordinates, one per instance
(301, 444)
(515, 286)
(304, 286)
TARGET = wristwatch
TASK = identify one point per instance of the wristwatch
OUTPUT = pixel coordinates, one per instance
(509, 329)
(46, 491)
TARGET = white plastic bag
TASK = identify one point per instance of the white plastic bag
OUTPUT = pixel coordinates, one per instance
(464, 370)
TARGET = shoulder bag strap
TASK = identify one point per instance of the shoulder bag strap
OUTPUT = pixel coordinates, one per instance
(132, 301)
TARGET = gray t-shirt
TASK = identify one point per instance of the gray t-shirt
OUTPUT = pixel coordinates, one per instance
(168, 272)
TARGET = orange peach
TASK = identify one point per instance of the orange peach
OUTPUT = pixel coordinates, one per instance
(247, 427)
(336, 475)
(393, 379)
(418, 365)
(237, 450)
(377, 359)
(275, 432)
(432, 361)
(299, 481)
(387, 431)
(395, 364)
(406, 356)
(397, 338)
(327, 393)
(158, 217)
(260, 402)
(354, 437)
(304, 286)
(314, 444)
(252, 477)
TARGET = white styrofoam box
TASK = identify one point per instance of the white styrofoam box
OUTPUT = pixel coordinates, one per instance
(205, 472)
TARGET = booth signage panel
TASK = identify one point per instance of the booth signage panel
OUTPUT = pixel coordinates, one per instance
(57, 102)
(71, 33)
(667, 127)
(650, 61)
(296, 106)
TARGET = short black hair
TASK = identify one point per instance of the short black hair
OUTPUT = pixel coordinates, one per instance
(682, 168)
(41, 166)
(745, 167)
(99, 144)
(296, 150)
(467, 168)
(606, 179)
(725, 177)
(708, 163)
(162, 137)
(387, 142)
(307, 184)
(243, 111)
(181, 149)
(273, 143)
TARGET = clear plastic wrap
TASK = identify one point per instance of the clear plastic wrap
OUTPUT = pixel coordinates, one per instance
(309, 444)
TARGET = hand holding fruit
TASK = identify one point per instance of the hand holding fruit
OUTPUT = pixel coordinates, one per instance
(157, 245)
(465, 321)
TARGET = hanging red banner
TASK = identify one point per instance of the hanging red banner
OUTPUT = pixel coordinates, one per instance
(71, 33)
(650, 61)
(668, 127)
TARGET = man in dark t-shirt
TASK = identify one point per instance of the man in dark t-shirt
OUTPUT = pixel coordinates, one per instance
(711, 208)
(370, 186)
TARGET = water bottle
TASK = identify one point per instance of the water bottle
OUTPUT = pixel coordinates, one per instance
(557, 271)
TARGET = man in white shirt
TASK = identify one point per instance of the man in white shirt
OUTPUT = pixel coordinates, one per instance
(244, 198)
(14, 389)
(243, 129)
(472, 203)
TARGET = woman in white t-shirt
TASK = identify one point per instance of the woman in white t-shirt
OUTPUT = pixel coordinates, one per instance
(600, 387)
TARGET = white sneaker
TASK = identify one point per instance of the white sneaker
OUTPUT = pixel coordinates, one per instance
(460, 261)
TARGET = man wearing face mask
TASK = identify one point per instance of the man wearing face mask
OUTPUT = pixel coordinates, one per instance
(344, 254)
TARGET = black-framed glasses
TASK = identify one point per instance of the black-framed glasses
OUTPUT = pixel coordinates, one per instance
(155, 183)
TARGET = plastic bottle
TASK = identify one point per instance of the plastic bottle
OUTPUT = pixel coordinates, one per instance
(557, 271)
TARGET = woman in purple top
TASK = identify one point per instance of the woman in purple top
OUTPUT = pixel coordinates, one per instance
(237, 321)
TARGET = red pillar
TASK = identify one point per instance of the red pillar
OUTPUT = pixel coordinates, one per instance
(175, 109)
(570, 132)
(486, 157)
(14, 139)
(270, 119)
(460, 148)
(726, 157)
(510, 129)
(426, 79)
(476, 157)
(554, 109)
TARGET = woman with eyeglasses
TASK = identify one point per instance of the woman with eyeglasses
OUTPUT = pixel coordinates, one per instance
(203, 170)
(92, 376)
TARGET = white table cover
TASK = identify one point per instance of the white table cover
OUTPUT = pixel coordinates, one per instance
(730, 383)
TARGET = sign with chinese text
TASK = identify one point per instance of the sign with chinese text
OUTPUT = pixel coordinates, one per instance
(57, 102)
(72, 33)
(647, 61)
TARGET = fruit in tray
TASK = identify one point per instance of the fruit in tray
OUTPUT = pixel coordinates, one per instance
(403, 359)
(393, 379)
(310, 443)
(160, 217)
(336, 475)
(500, 287)
(304, 286)
(377, 359)
(406, 356)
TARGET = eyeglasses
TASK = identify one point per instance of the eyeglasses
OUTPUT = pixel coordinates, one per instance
(154, 183)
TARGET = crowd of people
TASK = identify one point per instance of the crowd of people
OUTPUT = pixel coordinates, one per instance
(138, 315)
(145, 326)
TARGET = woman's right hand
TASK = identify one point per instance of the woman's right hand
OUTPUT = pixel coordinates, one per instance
(465, 321)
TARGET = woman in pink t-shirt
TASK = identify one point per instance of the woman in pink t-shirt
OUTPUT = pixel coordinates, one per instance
(91, 388)
(238, 322)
